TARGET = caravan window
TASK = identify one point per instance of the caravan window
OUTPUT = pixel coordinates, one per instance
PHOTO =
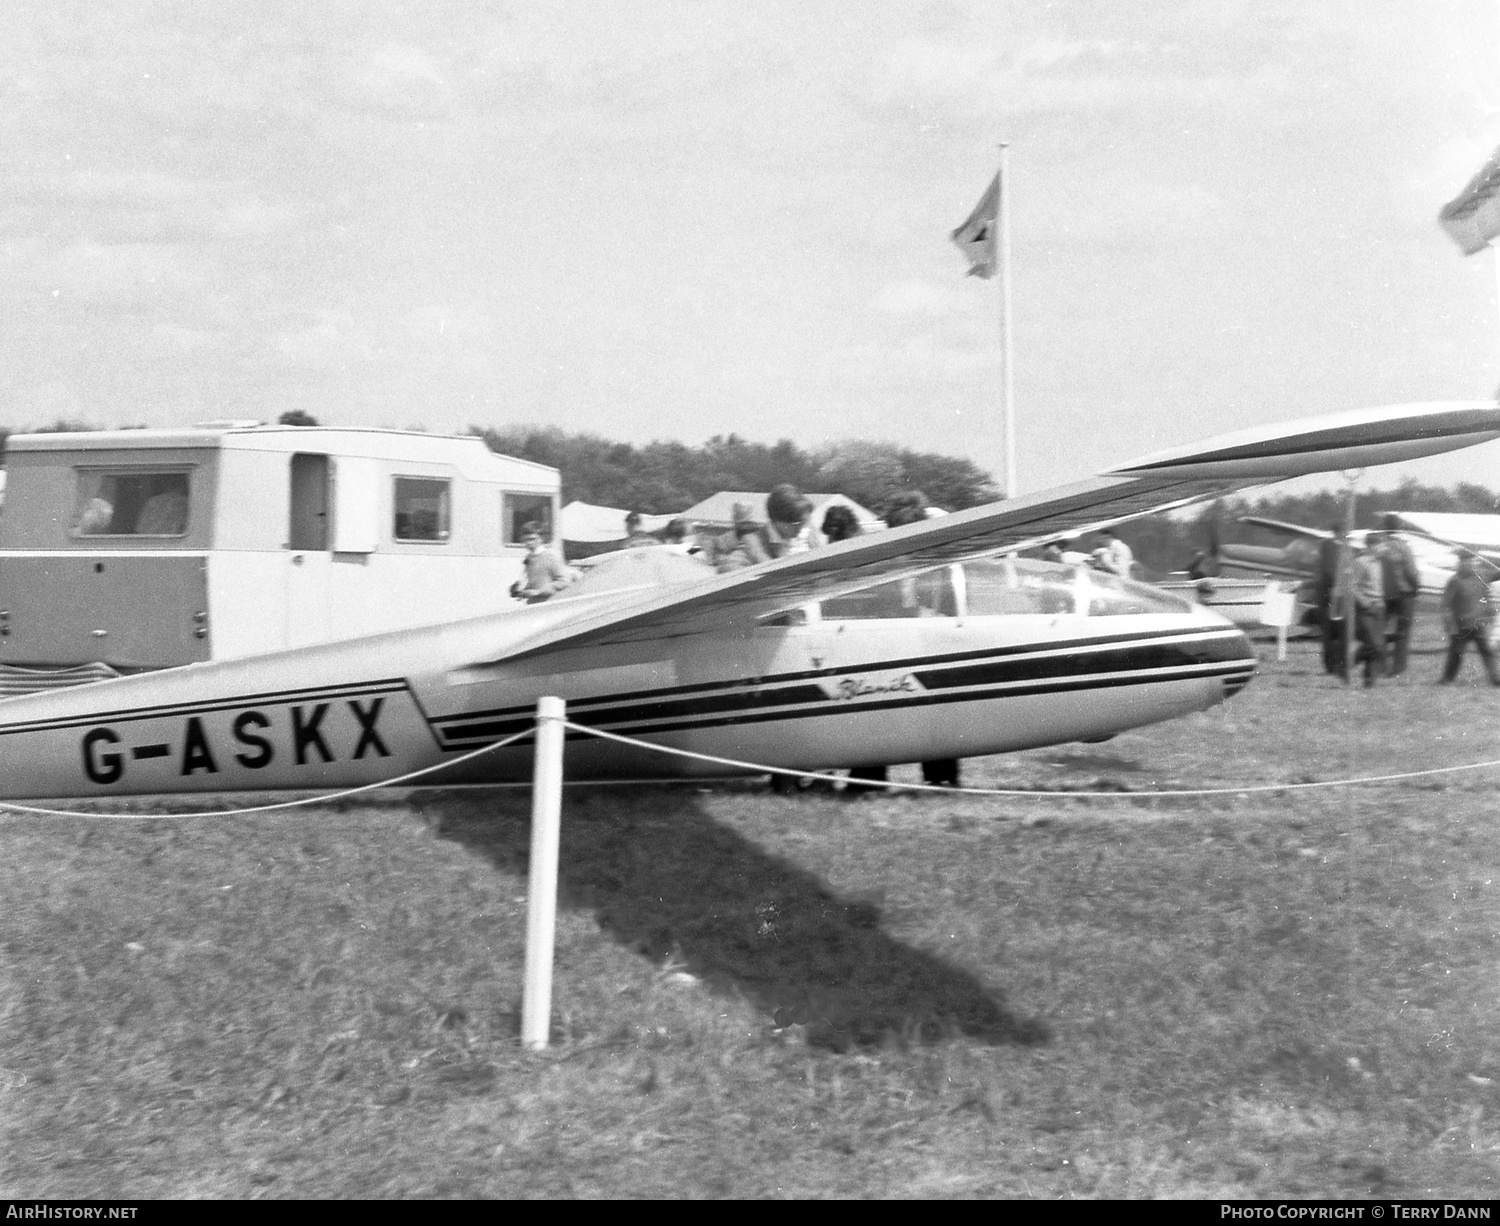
(131, 502)
(422, 507)
(519, 510)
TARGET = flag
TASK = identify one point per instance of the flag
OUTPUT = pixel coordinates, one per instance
(1472, 217)
(976, 237)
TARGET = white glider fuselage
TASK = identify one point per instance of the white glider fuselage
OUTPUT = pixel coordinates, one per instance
(832, 692)
(896, 646)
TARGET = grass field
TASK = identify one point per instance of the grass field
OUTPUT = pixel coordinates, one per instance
(1255, 995)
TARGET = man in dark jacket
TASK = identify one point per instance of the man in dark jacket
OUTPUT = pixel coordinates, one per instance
(1467, 614)
(1332, 560)
(1401, 584)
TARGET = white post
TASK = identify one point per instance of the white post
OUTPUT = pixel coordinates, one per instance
(541, 891)
(1351, 606)
(1008, 418)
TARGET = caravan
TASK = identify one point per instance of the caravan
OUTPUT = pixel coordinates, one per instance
(147, 549)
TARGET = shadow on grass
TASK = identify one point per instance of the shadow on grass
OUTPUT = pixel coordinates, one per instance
(666, 880)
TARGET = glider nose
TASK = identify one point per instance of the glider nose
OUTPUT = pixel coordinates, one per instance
(1223, 650)
(1238, 651)
(1236, 682)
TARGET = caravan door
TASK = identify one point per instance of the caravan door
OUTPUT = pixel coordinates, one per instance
(308, 560)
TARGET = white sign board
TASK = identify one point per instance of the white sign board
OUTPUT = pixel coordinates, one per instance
(1277, 608)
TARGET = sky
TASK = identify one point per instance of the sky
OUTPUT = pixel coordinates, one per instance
(677, 220)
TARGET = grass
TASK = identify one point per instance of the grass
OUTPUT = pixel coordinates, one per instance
(1255, 995)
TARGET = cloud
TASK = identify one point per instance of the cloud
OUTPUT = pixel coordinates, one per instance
(925, 358)
(204, 254)
(36, 405)
(448, 339)
(395, 82)
(440, 340)
(331, 337)
(133, 207)
(1131, 209)
(921, 298)
(986, 80)
(1049, 53)
(100, 276)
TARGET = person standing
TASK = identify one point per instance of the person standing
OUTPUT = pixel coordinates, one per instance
(1329, 593)
(839, 524)
(543, 572)
(1118, 558)
(1467, 615)
(788, 527)
(1204, 565)
(676, 538)
(1369, 612)
(1402, 581)
(636, 535)
(735, 549)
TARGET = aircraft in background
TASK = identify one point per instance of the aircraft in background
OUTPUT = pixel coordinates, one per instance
(1435, 551)
(911, 644)
(1475, 535)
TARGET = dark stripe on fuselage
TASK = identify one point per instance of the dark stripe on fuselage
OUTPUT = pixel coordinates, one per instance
(1114, 659)
(771, 698)
(938, 698)
(1234, 681)
(1226, 640)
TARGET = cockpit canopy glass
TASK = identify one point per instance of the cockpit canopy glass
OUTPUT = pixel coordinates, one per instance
(1004, 587)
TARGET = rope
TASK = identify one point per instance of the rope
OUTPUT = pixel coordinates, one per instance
(320, 799)
(932, 787)
(755, 768)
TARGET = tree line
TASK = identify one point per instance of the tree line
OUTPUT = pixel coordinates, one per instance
(659, 478)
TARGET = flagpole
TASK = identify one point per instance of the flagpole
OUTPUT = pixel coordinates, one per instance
(1008, 407)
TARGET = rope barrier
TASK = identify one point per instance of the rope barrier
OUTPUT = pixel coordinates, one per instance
(759, 769)
(947, 791)
(320, 799)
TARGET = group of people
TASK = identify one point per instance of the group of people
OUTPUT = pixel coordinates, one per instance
(544, 573)
(787, 529)
(1374, 586)
(1112, 555)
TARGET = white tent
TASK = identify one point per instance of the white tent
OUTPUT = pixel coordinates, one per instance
(585, 524)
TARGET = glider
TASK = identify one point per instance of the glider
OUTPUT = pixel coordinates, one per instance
(928, 641)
